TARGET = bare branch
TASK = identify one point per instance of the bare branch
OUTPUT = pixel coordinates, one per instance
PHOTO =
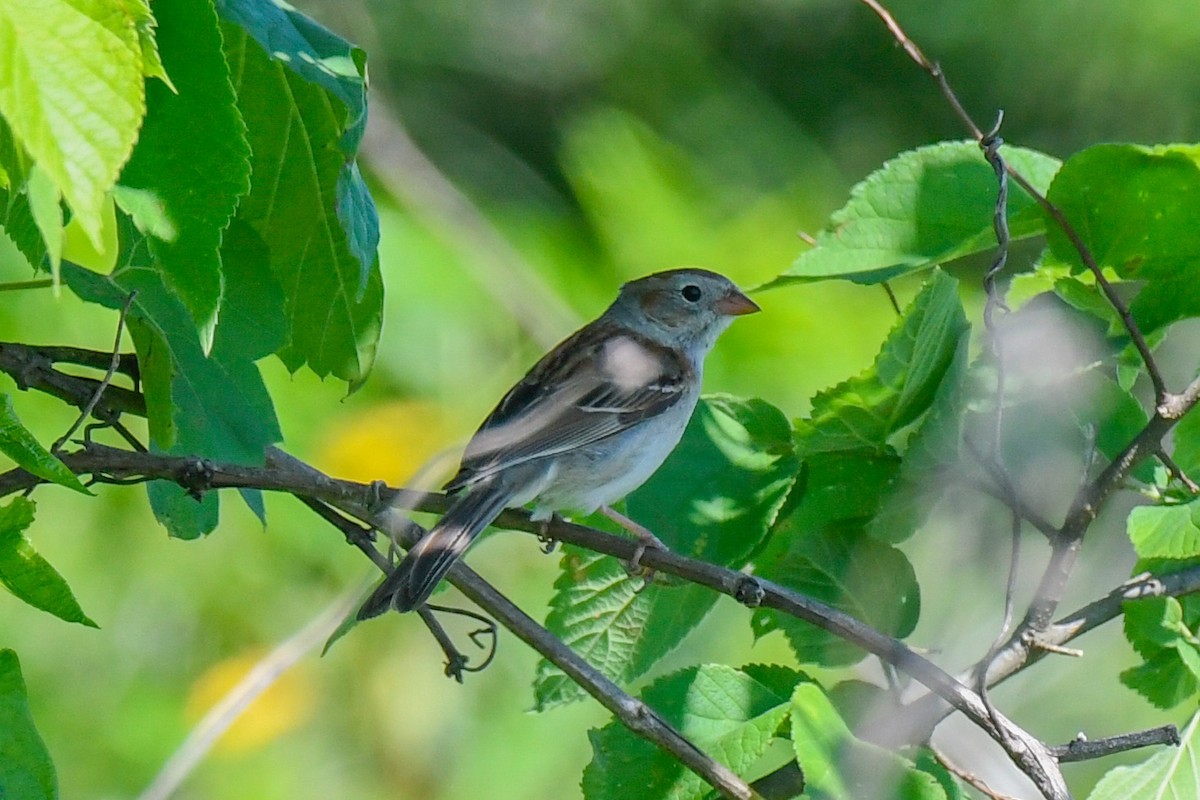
(1083, 749)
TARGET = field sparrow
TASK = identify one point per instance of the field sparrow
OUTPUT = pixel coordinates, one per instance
(589, 423)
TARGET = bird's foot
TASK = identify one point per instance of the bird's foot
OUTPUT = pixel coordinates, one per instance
(646, 541)
(544, 537)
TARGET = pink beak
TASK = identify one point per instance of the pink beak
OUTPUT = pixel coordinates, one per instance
(735, 304)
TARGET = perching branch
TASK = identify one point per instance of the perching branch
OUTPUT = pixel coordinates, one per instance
(285, 474)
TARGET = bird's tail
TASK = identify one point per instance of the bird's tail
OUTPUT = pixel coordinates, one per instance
(414, 579)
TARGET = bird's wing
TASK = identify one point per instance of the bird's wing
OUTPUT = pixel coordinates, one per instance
(597, 383)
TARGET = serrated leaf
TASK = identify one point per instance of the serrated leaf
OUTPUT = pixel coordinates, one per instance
(1138, 210)
(16, 218)
(730, 714)
(713, 499)
(29, 576)
(932, 450)
(842, 566)
(145, 23)
(312, 51)
(71, 88)
(922, 208)
(215, 406)
(1187, 444)
(1161, 631)
(1166, 531)
(197, 185)
(26, 771)
(819, 547)
(307, 203)
(47, 213)
(1171, 773)
(19, 444)
(837, 766)
(864, 411)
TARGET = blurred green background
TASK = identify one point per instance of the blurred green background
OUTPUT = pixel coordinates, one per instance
(558, 148)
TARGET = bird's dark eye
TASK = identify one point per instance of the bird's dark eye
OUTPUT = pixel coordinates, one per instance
(691, 293)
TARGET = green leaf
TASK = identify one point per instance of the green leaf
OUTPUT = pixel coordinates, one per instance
(16, 217)
(819, 547)
(834, 560)
(1170, 773)
(312, 51)
(72, 89)
(837, 766)
(931, 452)
(866, 410)
(1166, 531)
(1161, 631)
(922, 208)
(152, 65)
(733, 715)
(307, 202)
(1187, 444)
(197, 185)
(43, 197)
(29, 576)
(213, 407)
(19, 444)
(713, 499)
(1138, 210)
(26, 771)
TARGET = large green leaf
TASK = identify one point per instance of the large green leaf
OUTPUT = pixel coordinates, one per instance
(922, 208)
(26, 771)
(19, 444)
(1172, 773)
(1171, 531)
(819, 547)
(837, 766)
(929, 454)
(307, 202)
(864, 411)
(72, 89)
(29, 576)
(196, 180)
(732, 715)
(713, 499)
(1138, 210)
(213, 406)
(1187, 444)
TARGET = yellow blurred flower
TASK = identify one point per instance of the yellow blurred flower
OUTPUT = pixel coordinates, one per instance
(391, 442)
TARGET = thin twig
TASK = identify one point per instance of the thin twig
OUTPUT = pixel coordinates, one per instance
(1083, 749)
(891, 294)
(974, 781)
(16, 286)
(96, 359)
(1177, 473)
(113, 364)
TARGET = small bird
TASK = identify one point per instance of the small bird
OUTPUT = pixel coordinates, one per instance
(589, 423)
